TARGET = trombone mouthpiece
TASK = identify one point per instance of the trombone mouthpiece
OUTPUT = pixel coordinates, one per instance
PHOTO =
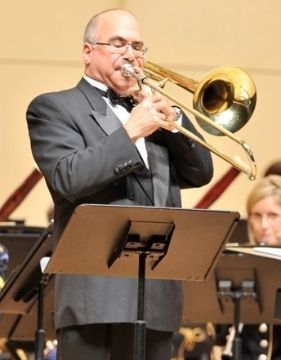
(128, 70)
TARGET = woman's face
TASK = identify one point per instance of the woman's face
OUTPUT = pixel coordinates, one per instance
(265, 221)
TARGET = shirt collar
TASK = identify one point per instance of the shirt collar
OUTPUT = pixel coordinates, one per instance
(96, 83)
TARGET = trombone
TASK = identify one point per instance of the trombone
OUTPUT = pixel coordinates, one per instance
(223, 102)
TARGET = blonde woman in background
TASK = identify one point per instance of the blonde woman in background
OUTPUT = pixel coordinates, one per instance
(264, 211)
(263, 205)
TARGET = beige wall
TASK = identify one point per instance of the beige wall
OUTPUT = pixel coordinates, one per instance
(41, 51)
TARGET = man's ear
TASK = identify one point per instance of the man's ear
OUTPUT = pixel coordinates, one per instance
(87, 53)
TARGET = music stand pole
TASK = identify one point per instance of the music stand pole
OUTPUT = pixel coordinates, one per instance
(155, 246)
(245, 291)
(140, 325)
(40, 332)
(237, 341)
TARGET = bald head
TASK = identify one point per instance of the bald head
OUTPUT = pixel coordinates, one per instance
(106, 18)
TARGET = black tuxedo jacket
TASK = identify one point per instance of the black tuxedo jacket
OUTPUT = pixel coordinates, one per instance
(86, 156)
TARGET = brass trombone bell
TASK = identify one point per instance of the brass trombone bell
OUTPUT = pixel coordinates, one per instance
(226, 95)
(223, 102)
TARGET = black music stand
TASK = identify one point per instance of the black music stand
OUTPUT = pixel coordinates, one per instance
(18, 240)
(242, 288)
(142, 241)
(23, 297)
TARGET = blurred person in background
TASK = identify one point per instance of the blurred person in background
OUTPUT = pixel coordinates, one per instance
(264, 228)
(273, 169)
(264, 211)
(263, 207)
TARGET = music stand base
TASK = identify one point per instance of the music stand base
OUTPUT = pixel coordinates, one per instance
(237, 348)
(40, 344)
(139, 340)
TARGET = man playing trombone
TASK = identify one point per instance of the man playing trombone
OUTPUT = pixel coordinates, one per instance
(91, 149)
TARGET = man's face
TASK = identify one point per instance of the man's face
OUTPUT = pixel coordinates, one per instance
(265, 221)
(102, 62)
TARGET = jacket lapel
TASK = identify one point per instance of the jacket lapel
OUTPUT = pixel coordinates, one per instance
(102, 113)
(108, 122)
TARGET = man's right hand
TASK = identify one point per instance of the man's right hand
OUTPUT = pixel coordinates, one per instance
(152, 113)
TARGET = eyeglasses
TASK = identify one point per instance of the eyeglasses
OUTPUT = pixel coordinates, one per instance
(121, 47)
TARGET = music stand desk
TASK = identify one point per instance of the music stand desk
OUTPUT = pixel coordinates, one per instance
(94, 232)
(202, 303)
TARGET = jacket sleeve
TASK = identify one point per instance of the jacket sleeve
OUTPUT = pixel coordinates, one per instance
(192, 161)
(75, 156)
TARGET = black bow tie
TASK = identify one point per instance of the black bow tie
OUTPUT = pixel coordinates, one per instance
(126, 101)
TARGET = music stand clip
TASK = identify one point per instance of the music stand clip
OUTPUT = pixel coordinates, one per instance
(135, 242)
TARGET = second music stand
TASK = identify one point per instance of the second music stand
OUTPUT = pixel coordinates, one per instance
(26, 294)
(242, 288)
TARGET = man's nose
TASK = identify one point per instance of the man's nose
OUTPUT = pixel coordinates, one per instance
(129, 53)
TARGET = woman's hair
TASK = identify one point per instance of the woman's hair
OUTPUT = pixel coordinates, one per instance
(267, 186)
(274, 168)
